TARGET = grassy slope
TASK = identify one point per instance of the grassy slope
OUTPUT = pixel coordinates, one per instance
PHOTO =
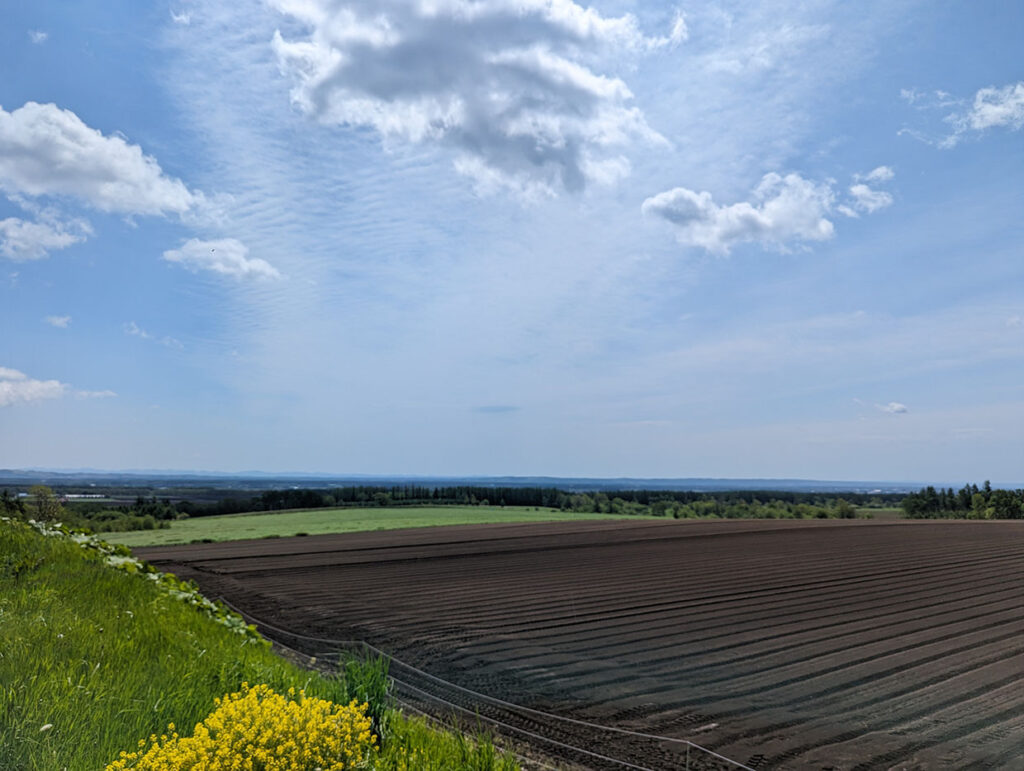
(106, 658)
(316, 521)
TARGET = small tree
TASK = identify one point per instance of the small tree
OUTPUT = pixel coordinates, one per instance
(45, 506)
(10, 506)
(845, 510)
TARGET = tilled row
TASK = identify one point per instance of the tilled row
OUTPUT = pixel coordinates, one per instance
(783, 644)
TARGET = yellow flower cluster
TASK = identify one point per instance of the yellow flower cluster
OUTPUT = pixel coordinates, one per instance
(257, 729)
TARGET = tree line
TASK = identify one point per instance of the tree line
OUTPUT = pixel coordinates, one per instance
(149, 512)
(659, 502)
(969, 502)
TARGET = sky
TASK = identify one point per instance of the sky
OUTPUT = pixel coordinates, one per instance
(473, 237)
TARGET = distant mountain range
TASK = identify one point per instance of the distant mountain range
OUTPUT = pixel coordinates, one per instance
(257, 480)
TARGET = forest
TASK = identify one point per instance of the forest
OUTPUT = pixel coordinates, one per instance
(969, 502)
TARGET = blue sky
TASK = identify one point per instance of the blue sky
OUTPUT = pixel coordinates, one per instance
(453, 237)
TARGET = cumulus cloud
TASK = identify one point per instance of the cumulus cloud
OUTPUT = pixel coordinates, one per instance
(226, 256)
(868, 200)
(511, 87)
(784, 209)
(61, 322)
(17, 387)
(45, 150)
(997, 107)
(24, 240)
(865, 199)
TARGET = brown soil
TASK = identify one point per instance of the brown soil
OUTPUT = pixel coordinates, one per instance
(846, 645)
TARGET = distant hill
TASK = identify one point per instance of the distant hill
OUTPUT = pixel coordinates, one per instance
(255, 480)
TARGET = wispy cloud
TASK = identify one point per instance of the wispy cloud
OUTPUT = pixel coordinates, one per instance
(991, 107)
(22, 239)
(497, 409)
(893, 408)
(134, 330)
(61, 322)
(106, 394)
(38, 36)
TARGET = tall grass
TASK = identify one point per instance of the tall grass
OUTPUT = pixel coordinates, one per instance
(93, 659)
(366, 680)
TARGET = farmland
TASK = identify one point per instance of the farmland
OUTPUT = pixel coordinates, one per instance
(277, 524)
(782, 644)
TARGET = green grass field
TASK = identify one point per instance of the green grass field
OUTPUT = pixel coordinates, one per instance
(261, 524)
(93, 659)
(884, 514)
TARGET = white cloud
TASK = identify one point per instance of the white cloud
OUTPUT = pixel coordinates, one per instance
(134, 330)
(868, 200)
(107, 394)
(784, 209)
(998, 107)
(928, 99)
(509, 86)
(893, 408)
(991, 107)
(61, 322)
(184, 18)
(11, 374)
(45, 150)
(766, 49)
(679, 33)
(37, 36)
(17, 387)
(880, 174)
(226, 256)
(24, 240)
(865, 198)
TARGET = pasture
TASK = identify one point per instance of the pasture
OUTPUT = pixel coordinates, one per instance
(782, 644)
(280, 524)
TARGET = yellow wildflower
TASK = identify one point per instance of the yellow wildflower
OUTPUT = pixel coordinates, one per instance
(256, 728)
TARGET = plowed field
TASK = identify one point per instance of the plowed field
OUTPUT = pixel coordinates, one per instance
(852, 645)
